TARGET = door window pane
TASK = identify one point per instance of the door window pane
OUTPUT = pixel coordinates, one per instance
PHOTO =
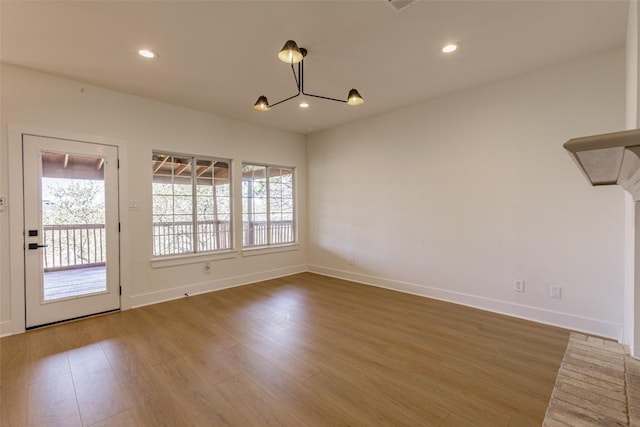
(73, 226)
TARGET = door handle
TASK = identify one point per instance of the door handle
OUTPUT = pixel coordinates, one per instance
(33, 246)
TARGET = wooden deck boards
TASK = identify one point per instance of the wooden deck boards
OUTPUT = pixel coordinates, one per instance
(74, 282)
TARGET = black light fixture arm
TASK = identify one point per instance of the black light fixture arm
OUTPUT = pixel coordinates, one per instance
(298, 82)
(292, 54)
(298, 85)
(301, 72)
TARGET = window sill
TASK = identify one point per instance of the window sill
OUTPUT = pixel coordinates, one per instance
(174, 260)
(263, 250)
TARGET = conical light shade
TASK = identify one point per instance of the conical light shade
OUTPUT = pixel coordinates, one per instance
(261, 104)
(354, 98)
(290, 53)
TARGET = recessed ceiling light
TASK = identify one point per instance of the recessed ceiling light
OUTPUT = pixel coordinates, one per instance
(147, 53)
(304, 104)
(450, 47)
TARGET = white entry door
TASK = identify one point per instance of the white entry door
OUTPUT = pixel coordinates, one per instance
(70, 228)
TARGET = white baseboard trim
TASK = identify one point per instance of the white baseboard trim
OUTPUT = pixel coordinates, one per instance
(6, 328)
(535, 314)
(212, 285)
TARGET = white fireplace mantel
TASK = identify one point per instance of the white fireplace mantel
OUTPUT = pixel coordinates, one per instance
(611, 158)
(614, 158)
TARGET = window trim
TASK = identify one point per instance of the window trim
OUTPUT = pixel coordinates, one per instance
(271, 247)
(183, 258)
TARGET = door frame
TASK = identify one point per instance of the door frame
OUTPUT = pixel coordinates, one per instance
(40, 310)
(16, 217)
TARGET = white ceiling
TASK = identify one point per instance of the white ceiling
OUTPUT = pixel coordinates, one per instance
(219, 56)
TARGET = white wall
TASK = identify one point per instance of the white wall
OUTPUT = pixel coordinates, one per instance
(453, 198)
(458, 197)
(632, 61)
(632, 121)
(35, 99)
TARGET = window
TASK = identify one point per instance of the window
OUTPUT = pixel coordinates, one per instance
(267, 205)
(191, 204)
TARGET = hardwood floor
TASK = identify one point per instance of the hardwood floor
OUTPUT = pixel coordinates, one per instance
(304, 350)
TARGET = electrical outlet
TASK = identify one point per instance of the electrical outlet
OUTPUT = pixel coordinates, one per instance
(207, 268)
(555, 292)
(518, 286)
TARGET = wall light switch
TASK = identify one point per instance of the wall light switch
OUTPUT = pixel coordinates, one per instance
(518, 286)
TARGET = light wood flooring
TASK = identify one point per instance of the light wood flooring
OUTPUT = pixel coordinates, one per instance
(304, 350)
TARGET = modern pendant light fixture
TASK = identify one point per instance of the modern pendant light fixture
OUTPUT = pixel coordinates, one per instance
(354, 98)
(261, 104)
(292, 54)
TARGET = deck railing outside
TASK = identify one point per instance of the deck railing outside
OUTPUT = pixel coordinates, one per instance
(176, 237)
(73, 246)
(171, 238)
(255, 233)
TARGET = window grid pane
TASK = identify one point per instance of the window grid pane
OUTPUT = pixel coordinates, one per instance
(267, 205)
(191, 204)
(254, 205)
(280, 191)
(214, 205)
